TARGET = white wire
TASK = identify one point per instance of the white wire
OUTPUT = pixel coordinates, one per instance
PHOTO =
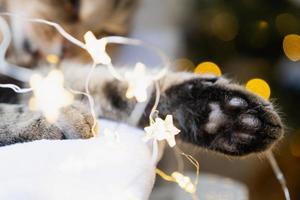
(14, 71)
(24, 75)
(59, 28)
(16, 88)
(157, 97)
(165, 63)
(92, 105)
(139, 109)
(279, 175)
(114, 72)
(90, 98)
(109, 39)
(154, 152)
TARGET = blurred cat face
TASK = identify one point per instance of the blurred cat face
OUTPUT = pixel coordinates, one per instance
(103, 17)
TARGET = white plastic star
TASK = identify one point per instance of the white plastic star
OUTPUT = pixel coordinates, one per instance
(138, 82)
(96, 48)
(49, 94)
(162, 130)
(184, 182)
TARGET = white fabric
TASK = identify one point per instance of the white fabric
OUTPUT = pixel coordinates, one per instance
(105, 167)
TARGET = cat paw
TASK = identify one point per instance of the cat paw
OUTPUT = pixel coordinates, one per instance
(75, 121)
(222, 116)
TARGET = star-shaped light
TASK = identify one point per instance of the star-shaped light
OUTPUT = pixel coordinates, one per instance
(184, 182)
(96, 48)
(138, 82)
(162, 130)
(49, 94)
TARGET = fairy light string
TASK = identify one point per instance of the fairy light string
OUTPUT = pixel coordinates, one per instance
(90, 98)
(178, 177)
(279, 175)
(18, 73)
(100, 56)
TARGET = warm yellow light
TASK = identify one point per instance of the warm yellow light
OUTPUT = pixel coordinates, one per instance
(162, 130)
(49, 94)
(184, 182)
(287, 23)
(53, 59)
(183, 64)
(97, 48)
(208, 68)
(138, 82)
(295, 144)
(291, 47)
(262, 24)
(224, 26)
(259, 87)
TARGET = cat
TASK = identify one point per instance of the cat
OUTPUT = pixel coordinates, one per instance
(102, 17)
(31, 43)
(211, 112)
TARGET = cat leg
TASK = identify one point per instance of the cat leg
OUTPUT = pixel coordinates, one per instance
(222, 116)
(211, 112)
(19, 124)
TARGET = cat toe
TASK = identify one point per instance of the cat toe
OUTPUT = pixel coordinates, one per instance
(223, 117)
(249, 122)
(76, 121)
(237, 103)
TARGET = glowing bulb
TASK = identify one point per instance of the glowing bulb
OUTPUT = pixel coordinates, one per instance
(287, 23)
(162, 130)
(295, 148)
(138, 82)
(97, 48)
(52, 59)
(184, 182)
(291, 47)
(259, 87)
(208, 68)
(224, 26)
(262, 24)
(49, 94)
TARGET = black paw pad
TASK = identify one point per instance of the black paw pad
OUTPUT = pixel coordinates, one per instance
(237, 103)
(223, 117)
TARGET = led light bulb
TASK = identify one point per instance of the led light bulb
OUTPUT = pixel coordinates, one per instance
(97, 48)
(49, 94)
(138, 82)
(184, 182)
(162, 130)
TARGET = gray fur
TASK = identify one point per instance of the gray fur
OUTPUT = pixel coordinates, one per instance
(211, 112)
(19, 124)
(202, 108)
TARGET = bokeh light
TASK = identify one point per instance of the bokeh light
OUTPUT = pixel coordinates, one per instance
(262, 24)
(259, 87)
(295, 144)
(224, 26)
(183, 64)
(291, 46)
(208, 68)
(287, 23)
(52, 59)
